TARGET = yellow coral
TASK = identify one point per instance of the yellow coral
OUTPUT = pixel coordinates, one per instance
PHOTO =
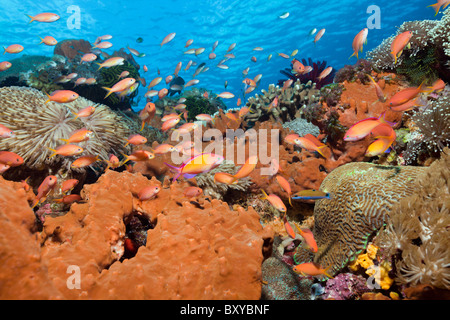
(381, 275)
(365, 260)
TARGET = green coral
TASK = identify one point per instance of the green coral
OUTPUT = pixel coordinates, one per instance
(110, 76)
(422, 66)
(196, 105)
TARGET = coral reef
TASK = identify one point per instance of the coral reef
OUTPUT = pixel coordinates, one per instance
(190, 251)
(356, 72)
(70, 48)
(317, 68)
(290, 101)
(363, 196)
(39, 126)
(302, 127)
(345, 286)
(417, 235)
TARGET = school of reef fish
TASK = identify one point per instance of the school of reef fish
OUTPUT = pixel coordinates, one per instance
(356, 205)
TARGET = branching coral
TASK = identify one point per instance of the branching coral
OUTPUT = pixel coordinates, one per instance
(40, 126)
(417, 232)
(290, 101)
(218, 190)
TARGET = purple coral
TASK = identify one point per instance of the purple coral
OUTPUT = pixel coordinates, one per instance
(345, 286)
(312, 76)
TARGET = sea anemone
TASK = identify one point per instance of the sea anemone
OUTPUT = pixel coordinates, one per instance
(40, 126)
(312, 76)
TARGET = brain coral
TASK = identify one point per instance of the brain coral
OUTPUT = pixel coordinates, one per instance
(39, 126)
(417, 232)
(193, 251)
(363, 194)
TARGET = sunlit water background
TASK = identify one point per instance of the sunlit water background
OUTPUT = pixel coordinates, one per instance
(249, 24)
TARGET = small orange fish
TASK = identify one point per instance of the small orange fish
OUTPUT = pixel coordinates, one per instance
(309, 238)
(275, 201)
(14, 48)
(5, 65)
(231, 47)
(249, 82)
(62, 96)
(284, 184)
(83, 161)
(168, 38)
(123, 74)
(136, 140)
(25, 184)
(197, 164)
(243, 111)
(169, 124)
(79, 135)
(49, 41)
(362, 128)
(162, 93)
(6, 132)
(292, 139)
(68, 185)
(325, 73)
(188, 43)
(253, 59)
(113, 162)
(120, 86)
(437, 6)
(247, 168)
(191, 82)
(311, 269)
(88, 57)
(378, 90)
(212, 56)
(225, 95)
(91, 81)
(44, 189)
(103, 45)
(408, 105)
(224, 177)
(154, 82)
(111, 62)
(204, 117)
(378, 147)
(319, 35)
(69, 199)
(288, 228)
(66, 150)
(407, 94)
(10, 158)
(170, 116)
(148, 193)
(283, 55)
(307, 144)
(273, 104)
(164, 148)
(191, 192)
(399, 43)
(438, 85)
(80, 81)
(359, 41)
(138, 155)
(44, 17)
(85, 112)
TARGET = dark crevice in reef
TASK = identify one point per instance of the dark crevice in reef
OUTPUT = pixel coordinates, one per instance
(137, 226)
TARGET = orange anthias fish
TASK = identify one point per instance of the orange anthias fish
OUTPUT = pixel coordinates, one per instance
(14, 48)
(85, 112)
(154, 82)
(325, 73)
(6, 132)
(359, 41)
(437, 6)
(197, 164)
(191, 192)
(69, 199)
(62, 96)
(113, 162)
(83, 161)
(275, 201)
(88, 57)
(204, 117)
(5, 65)
(79, 135)
(399, 43)
(438, 85)
(284, 184)
(309, 145)
(362, 128)
(224, 177)
(66, 150)
(136, 139)
(44, 188)
(49, 41)
(309, 238)
(169, 124)
(247, 168)
(68, 185)
(225, 95)
(311, 269)
(148, 193)
(111, 62)
(407, 94)
(10, 158)
(386, 137)
(292, 139)
(288, 228)
(378, 90)
(138, 155)
(408, 105)
(319, 35)
(164, 148)
(120, 86)
(44, 17)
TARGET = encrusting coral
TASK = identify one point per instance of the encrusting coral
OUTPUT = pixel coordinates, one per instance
(417, 231)
(39, 126)
(191, 251)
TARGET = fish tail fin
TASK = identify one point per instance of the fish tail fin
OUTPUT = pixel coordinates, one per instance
(109, 92)
(324, 151)
(4, 50)
(265, 196)
(127, 158)
(31, 18)
(65, 140)
(48, 96)
(383, 120)
(35, 203)
(325, 272)
(54, 152)
(290, 201)
(127, 143)
(42, 40)
(436, 7)
(99, 65)
(354, 53)
(395, 57)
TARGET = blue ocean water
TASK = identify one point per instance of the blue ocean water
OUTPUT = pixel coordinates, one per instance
(249, 24)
